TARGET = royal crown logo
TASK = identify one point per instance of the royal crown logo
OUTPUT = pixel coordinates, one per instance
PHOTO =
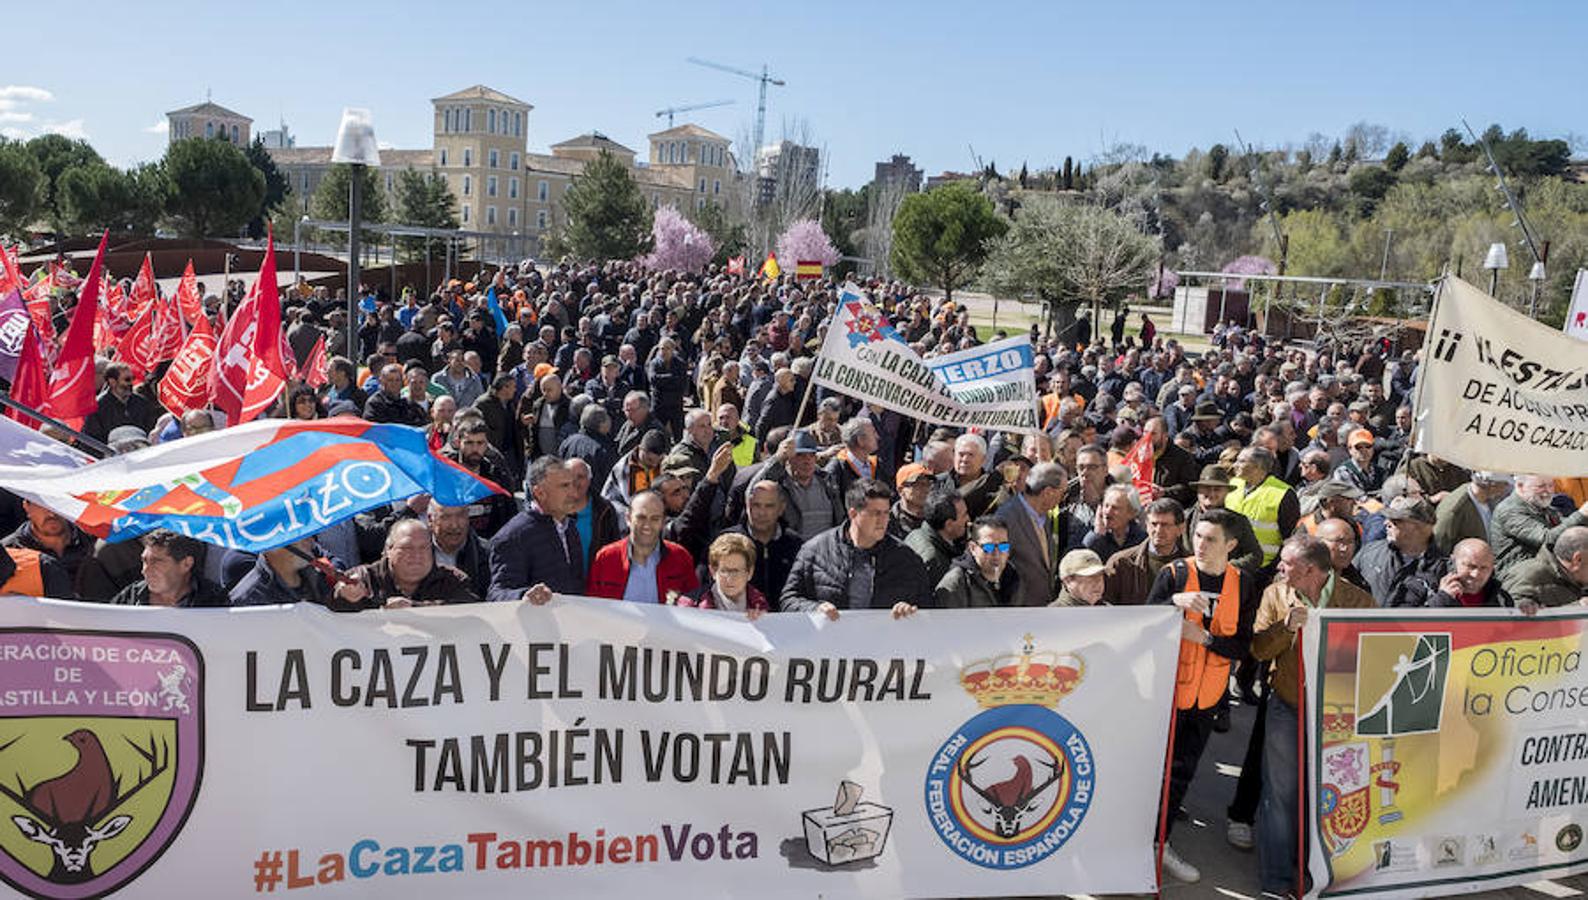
(1012, 785)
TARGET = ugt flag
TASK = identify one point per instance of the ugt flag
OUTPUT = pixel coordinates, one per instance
(254, 486)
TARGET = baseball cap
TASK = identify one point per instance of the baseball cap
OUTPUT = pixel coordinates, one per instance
(127, 438)
(1402, 508)
(1362, 435)
(1080, 562)
(805, 442)
(1333, 488)
(910, 474)
(1488, 477)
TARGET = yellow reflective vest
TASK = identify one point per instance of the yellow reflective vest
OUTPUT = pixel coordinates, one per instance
(1261, 506)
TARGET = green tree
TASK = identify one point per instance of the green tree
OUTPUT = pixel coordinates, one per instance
(1069, 174)
(1068, 254)
(1398, 156)
(151, 192)
(424, 199)
(1370, 184)
(942, 236)
(732, 237)
(56, 154)
(214, 189)
(276, 186)
(23, 188)
(844, 220)
(1218, 158)
(608, 217)
(93, 198)
(331, 198)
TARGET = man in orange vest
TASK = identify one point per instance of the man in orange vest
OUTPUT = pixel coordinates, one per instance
(1219, 602)
(32, 573)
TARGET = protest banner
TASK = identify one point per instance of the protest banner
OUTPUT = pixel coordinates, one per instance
(582, 749)
(1446, 751)
(1576, 323)
(991, 386)
(250, 487)
(1500, 391)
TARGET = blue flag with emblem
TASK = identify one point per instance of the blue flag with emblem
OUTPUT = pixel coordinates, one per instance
(496, 311)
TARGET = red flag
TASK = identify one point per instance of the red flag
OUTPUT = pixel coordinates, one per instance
(249, 369)
(736, 265)
(37, 296)
(188, 301)
(1140, 462)
(316, 369)
(30, 384)
(136, 347)
(72, 376)
(144, 290)
(186, 384)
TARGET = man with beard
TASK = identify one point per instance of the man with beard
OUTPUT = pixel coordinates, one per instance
(470, 440)
(1173, 469)
(52, 535)
(915, 484)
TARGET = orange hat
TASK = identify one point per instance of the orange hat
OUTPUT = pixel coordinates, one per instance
(911, 473)
(543, 370)
(1361, 435)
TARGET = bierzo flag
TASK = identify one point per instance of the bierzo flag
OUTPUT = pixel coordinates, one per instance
(991, 386)
(1500, 391)
(255, 486)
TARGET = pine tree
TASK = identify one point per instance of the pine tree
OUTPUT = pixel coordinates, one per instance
(1069, 174)
(423, 199)
(608, 217)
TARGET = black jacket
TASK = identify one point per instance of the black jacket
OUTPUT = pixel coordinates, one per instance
(669, 383)
(399, 410)
(202, 593)
(773, 562)
(528, 551)
(1395, 581)
(822, 570)
(964, 587)
(595, 449)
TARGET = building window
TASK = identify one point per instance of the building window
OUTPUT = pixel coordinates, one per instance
(540, 218)
(468, 184)
(656, 201)
(443, 156)
(700, 203)
(512, 161)
(468, 157)
(446, 120)
(512, 217)
(490, 215)
(512, 188)
(465, 210)
(388, 182)
(702, 185)
(716, 186)
(209, 129)
(492, 159)
(518, 124)
(542, 191)
(490, 120)
(468, 119)
(490, 186)
(235, 138)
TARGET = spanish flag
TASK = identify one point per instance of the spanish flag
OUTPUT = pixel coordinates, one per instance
(770, 269)
(807, 269)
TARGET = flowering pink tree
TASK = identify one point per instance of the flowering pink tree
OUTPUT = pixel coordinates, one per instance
(805, 241)
(679, 243)
(1164, 285)
(1248, 265)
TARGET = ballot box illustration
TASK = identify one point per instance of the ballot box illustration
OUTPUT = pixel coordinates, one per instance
(848, 831)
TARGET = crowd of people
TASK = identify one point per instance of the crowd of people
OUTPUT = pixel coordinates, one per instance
(670, 450)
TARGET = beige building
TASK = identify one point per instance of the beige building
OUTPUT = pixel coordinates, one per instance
(481, 149)
(207, 120)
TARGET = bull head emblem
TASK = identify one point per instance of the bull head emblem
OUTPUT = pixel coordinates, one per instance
(75, 811)
(1009, 801)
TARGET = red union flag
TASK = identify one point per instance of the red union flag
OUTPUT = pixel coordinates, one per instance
(249, 366)
(29, 385)
(72, 376)
(188, 301)
(316, 369)
(144, 291)
(736, 265)
(186, 384)
(1140, 462)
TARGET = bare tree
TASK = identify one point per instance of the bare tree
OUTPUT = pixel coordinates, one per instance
(886, 196)
(782, 183)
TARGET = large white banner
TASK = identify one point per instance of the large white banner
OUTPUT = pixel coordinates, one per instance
(1446, 751)
(1500, 391)
(991, 386)
(583, 749)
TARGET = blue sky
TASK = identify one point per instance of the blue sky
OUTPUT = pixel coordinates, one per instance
(1029, 82)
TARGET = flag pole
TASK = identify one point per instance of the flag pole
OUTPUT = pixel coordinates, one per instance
(94, 444)
(1422, 376)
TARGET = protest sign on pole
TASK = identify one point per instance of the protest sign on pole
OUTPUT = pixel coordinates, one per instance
(991, 386)
(1500, 391)
(583, 749)
(1446, 752)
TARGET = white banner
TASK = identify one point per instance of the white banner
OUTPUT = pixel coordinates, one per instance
(582, 749)
(1577, 314)
(991, 386)
(1500, 391)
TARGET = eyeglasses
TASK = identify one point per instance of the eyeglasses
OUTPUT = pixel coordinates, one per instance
(1361, 446)
(995, 548)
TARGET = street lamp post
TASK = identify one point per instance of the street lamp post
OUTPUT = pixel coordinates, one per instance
(1496, 260)
(355, 146)
(1536, 276)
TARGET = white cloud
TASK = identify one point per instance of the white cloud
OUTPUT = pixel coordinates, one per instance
(12, 93)
(161, 127)
(7, 116)
(14, 133)
(72, 128)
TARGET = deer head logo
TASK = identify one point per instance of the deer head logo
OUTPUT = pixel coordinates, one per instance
(1010, 801)
(75, 811)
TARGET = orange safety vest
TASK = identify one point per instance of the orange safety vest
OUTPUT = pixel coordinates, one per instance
(1050, 406)
(29, 578)
(1203, 676)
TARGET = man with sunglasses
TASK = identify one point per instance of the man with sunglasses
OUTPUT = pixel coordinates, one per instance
(981, 576)
(1360, 469)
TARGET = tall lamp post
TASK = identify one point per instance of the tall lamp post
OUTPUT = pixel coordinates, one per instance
(355, 146)
(1496, 260)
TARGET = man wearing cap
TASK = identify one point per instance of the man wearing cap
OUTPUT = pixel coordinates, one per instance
(1130, 573)
(1212, 489)
(813, 502)
(1525, 522)
(1081, 580)
(119, 405)
(1359, 469)
(981, 576)
(941, 535)
(1208, 440)
(1555, 577)
(1405, 568)
(1331, 500)
(1467, 511)
(914, 482)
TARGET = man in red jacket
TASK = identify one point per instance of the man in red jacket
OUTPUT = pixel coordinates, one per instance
(643, 568)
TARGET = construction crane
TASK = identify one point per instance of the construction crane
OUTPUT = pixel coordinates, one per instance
(691, 108)
(765, 79)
